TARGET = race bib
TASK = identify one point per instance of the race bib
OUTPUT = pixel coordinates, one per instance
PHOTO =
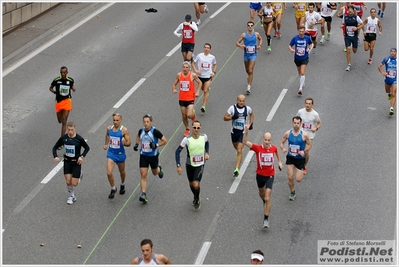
(307, 125)
(301, 7)
(239, 123)
(145, 146)
(277, 7)
(300, 51)
(187, 34)
(114, 142)
(198, 159)
(372, 29)
(349, 31)
(69, 151)
(293, 149)
(64, 90)
(266, 159)
(391, 74)
(184, 86)
(205, 65)
(250, 49)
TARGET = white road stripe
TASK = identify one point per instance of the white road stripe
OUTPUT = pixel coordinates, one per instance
(174, 50)
(20, 62)
(129, 93)
(220, 10)
(201, 255)
(276, 105)
(244, 166)
(52, 173)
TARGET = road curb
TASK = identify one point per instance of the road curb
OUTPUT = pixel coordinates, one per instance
(50, 34)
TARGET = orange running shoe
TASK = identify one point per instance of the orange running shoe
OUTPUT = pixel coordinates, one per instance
(187, 132)
(305, 171)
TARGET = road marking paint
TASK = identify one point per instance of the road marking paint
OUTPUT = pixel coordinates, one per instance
(276, 105)
(28, 198)
(53, 172)
(129, 93)
(173, 50)
(201, 255)
(220, 10)
(244, 166)
(20, 62)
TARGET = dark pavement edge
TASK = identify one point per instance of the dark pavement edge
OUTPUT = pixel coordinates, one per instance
(50, 34)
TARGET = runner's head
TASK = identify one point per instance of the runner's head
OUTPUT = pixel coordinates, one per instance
(64, 72)
(393, 52)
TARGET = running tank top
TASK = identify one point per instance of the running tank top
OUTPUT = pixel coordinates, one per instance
(188, 35)
(145, 139)
(372, 25)
(115, 141)
(250, 43)
(295, 144)
(267, 12)
(186, 87)
(152, 262)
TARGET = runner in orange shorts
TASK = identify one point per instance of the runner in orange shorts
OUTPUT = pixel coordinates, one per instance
(61, 87)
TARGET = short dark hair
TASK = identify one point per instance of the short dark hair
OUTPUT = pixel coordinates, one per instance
(297, 118)
(147, 116)
(196, 121)
(208, 44)
(145, 242)
(309, 98)
(311, 4)
(64, 68)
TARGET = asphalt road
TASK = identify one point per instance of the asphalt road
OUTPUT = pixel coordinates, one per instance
(349, 193)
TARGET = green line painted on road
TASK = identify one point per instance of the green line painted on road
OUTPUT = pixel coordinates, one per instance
(134, 191)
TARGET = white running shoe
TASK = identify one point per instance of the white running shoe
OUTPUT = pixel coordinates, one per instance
(248, 89)
(71, 199)
(198, 22)
(206, 8)
(322, 40)
(348, 68)
(265, 223)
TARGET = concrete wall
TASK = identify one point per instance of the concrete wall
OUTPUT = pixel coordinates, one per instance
(14, 14)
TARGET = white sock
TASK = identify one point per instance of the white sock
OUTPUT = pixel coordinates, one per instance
(70, 190)
(301, 81)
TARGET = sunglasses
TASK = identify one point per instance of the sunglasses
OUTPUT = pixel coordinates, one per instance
(196, 127)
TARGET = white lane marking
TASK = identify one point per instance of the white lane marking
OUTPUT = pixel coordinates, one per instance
(276, 105)
(220, 10)
(129, 93)
(201, 255)
(28, 198)
(173, 50)
(18, 63)
(244, 166)
(52, 173)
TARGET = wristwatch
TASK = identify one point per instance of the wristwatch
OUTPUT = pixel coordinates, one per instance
(178, 165)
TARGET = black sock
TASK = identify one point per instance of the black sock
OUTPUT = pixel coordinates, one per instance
(196, 193)
(266, 217)
(192, 189)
